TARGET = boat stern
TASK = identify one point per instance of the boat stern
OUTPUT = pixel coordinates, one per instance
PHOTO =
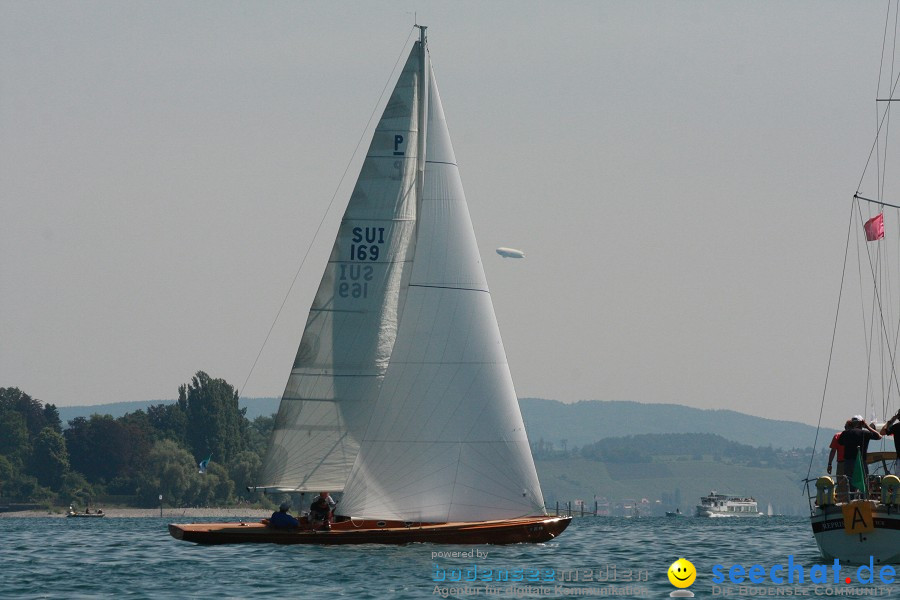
(176, 531)
(881, 544)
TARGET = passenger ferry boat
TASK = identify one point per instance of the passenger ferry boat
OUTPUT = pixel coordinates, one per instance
(722, 505)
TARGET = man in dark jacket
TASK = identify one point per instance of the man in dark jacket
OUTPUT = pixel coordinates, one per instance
(856, 441)
(282, 520)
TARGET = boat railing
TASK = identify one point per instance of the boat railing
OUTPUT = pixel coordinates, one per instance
(844, 492)
(874, 486)
(567, 509)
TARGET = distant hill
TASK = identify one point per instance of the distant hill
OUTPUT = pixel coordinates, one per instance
(683, 482)
(580, 423)
(676, 468)
(588, 421)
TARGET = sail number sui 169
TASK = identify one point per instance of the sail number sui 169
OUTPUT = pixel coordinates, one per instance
(365, 247)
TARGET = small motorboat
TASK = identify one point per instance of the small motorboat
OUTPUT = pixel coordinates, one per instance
(87, 514)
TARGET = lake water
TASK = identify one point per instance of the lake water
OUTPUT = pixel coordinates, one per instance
(136, 558)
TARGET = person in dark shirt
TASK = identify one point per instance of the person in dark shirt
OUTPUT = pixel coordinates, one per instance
(320, 511)
(855, 441)
(892, 427)
(282, 520)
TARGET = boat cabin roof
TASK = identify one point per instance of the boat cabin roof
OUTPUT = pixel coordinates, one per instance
(877, 457)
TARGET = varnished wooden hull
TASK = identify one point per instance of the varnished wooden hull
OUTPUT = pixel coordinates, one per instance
(512, 531)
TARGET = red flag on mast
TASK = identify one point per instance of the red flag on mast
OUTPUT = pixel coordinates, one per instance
(874, 228)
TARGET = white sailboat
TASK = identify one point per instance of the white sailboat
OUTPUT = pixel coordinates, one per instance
(857, 519)
(400, 395)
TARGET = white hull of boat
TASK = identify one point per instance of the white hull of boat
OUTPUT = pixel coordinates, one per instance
(714, 514)
(715, 505)
(882, 544)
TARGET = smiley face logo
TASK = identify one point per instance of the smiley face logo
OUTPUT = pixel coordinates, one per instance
(682, 573)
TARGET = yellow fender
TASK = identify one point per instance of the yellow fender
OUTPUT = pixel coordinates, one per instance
(890, 489)
(824, 491)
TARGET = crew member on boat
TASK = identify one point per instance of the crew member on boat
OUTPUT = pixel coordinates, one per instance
(281, 519)
(838, 450)
(320, 511)
(856, 440)
(892, 427)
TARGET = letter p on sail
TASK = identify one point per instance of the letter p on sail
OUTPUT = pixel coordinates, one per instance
(874, 228)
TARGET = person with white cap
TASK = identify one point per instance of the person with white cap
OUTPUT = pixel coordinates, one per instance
(856, 441)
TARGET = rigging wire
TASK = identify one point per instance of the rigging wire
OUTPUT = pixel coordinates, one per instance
(328, 208)
(885, 256)
(831, 350)
(878, 179)
(877, 298)
(892, 318)
(883, 165)
(867, 330)
(877, 134)
(874, 149)
(881, 279)
(883, 273)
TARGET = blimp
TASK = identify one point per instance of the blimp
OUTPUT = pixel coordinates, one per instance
(510, 253)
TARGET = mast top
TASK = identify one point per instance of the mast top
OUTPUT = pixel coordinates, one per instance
(422, 29)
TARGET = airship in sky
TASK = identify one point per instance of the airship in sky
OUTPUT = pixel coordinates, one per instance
(510, 253)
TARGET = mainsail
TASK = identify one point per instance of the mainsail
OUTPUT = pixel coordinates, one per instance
(401, 394)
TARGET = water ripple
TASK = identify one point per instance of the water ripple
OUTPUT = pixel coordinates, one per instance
(136, 558)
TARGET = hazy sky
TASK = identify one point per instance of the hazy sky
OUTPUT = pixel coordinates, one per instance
(679, 174)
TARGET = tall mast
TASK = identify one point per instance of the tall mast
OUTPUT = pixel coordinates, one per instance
(423, 111)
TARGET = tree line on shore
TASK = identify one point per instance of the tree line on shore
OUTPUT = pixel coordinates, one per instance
(134, 458)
